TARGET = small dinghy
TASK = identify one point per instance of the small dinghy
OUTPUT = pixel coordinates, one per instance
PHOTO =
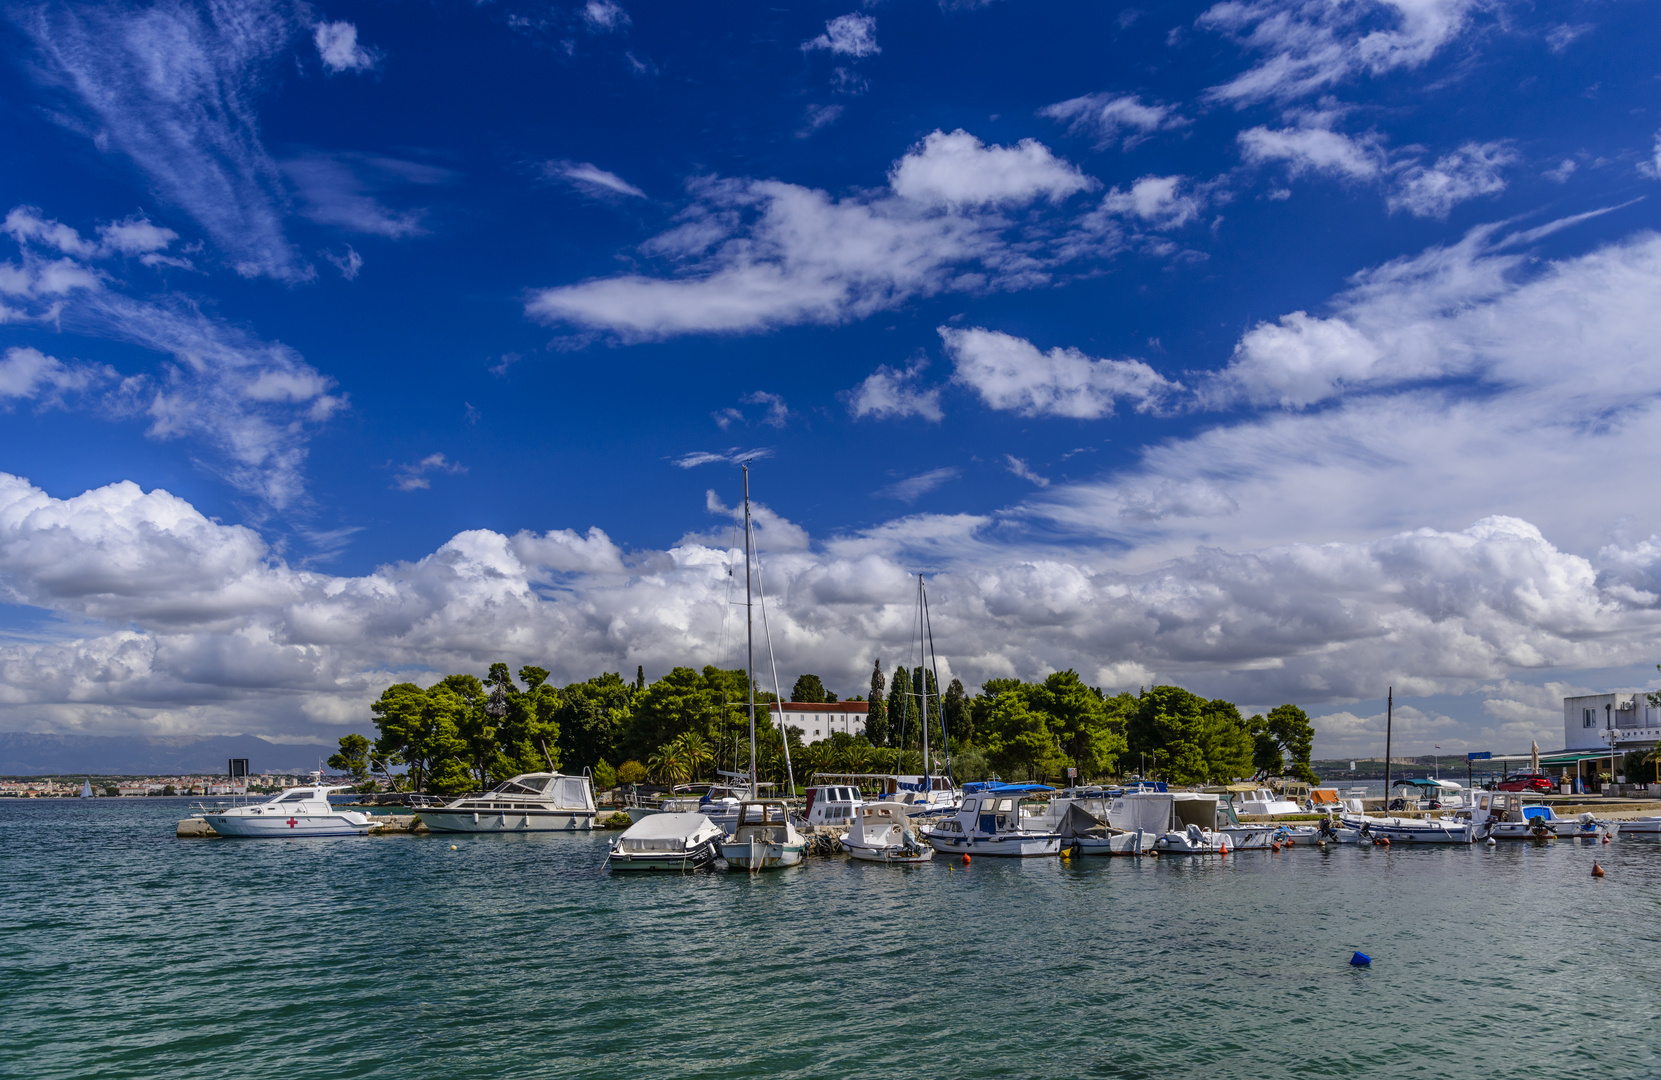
(672, 841)
(881, 832)
(763, 839)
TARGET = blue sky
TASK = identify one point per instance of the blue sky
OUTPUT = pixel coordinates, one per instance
(1285, 351)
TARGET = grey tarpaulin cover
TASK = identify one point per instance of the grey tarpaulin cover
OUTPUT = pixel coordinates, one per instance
(1078, 822)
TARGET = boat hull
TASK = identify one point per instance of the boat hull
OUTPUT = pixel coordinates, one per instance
(1402, 831)
(881, 853)
(1249, 837)
(440, 819)
(679, 862)
(1003, 846)
(268, 826)
(761, 854)
(1134, 842)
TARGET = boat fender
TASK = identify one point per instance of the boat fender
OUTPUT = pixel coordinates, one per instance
(1492, 842)
(452, 847)
(1606, 838)
(1597, 871)
(1361, 959)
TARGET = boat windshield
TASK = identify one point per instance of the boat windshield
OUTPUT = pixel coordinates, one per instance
(511, 788)
(297, 796)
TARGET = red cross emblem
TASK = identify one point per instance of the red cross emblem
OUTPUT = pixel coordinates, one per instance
(291, 823)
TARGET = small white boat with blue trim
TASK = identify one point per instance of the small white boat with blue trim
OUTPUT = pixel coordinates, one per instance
(764, 838)
(989, 822)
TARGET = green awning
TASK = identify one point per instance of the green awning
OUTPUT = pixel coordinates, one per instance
(1571, 757)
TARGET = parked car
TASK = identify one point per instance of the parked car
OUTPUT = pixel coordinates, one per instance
(1528, 782)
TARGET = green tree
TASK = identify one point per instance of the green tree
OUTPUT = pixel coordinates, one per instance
(605, 777)
(631, 772)
(1294, 737)
(591, 719)
(1166, 727)
(419, 728)
(1078, 716)
(876, 715)
(956, 708)
(475, 724)
(1015, 737)
(1225, 742)
(809, 688)
(353, 757)
(902, 725)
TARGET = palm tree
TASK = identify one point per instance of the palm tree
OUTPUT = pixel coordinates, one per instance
(669, 764)
(696, 751)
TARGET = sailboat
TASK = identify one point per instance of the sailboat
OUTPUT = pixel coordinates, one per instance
(763, 837)
(86, 789)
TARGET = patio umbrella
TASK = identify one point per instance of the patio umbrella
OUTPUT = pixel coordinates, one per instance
(1534, 757)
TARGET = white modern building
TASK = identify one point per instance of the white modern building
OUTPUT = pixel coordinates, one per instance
(1591, 721)
(820, 719)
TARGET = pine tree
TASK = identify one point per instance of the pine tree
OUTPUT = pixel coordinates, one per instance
(876, 717)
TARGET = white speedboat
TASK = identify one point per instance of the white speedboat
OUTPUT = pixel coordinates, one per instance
(1443, 830)
(530, 802)
(303, 811)
(763, 838)
(672, 841)
(881, 832)
(989, 822)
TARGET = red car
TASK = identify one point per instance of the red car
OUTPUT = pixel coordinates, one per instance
(1528, 782)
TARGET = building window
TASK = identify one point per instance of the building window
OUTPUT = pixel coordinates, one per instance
(1586, 718)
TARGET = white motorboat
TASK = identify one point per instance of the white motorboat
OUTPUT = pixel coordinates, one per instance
(1180, 822)
(763, 838)
(718, 802)
(302, 811)
(1240, 836)
(1442, 830)
(671, 841)
(530, 802)
(1643, 826)
(1428, 794)
(881, 832)
(989, 822)
(832, 804)
(1265, 803)
(1510, 815)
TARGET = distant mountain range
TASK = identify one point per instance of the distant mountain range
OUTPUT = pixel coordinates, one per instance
(23, 754)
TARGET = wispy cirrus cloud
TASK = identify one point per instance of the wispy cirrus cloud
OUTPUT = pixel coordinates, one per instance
(592, 179)
(1310, 46)
(418, 476)
(915, 487)
(1124, 119)
(173, 87)
(853, 35)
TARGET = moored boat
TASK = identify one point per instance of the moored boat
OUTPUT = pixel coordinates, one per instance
(303, 811)
(676, 841)
(764, 838)
(1442, 830)
(1180, 822)
(881, 832)
(529, 802)
(989, 822)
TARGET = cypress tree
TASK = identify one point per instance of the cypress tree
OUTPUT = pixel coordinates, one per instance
(876, 718)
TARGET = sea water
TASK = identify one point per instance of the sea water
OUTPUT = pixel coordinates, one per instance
(129, 953)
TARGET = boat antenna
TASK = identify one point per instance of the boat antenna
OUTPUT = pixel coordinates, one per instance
(939, 694)
(778, 687)
(749, 631)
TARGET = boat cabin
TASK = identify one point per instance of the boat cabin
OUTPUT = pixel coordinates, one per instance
(831, 804)
(533, 791)
(1427, 794)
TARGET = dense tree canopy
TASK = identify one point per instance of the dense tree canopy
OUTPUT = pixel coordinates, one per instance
(465, 732)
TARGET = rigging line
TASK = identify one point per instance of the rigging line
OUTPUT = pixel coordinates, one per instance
(940, 699)
(778, 690)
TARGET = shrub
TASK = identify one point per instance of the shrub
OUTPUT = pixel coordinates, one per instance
(605, 777)
(631, 772)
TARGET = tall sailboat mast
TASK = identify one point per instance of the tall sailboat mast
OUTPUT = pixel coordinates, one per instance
(922, 677)
(749, 632)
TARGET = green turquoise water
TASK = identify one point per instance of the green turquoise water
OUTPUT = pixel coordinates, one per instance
(129, 953)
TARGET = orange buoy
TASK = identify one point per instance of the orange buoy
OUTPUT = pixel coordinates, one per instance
(1597, 871)
(965, 858)
(1287, 841)
(1274, 846)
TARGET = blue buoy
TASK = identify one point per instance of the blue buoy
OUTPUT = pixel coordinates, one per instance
(1361, 959)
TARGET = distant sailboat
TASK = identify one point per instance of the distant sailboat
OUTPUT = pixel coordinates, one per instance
(86, 789)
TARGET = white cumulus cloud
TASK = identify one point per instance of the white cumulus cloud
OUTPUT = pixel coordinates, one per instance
(957, 169)
(852, 35)
(1011, 373)
(337, 46)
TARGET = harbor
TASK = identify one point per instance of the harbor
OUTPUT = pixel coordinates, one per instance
(1233, 966)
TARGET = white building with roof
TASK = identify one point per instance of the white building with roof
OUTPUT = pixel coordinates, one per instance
(1591, 721)
(820, 719)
